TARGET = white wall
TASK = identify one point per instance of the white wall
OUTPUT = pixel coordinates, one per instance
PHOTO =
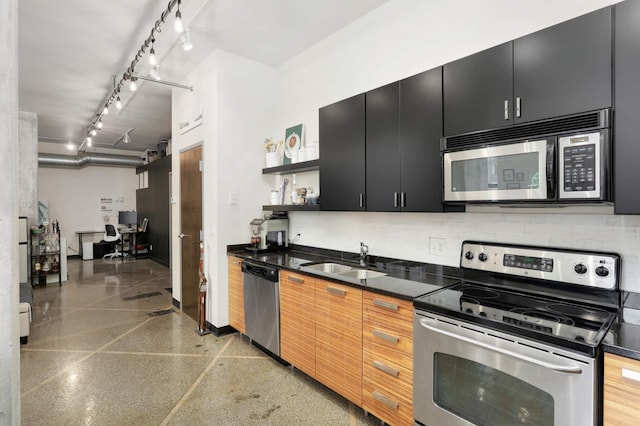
(74, 197)
(237, 97)
(405, 37)
(28, 160)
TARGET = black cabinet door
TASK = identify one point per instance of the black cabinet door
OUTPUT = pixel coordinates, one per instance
(626, 145)
(420, 132)
(564, 69)
(383, 149)
(342, 155)
(478, 91)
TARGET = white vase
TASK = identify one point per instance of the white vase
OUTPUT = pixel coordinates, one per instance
(273, 159)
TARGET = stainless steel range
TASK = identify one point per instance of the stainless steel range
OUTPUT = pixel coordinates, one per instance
(517, 340)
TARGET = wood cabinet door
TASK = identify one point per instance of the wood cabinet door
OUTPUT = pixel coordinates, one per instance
(339, 339)
(236, 295)
(621, 390)
(342, 155)
(298, 321)
(564, 69)
(420, 133)
(627, 100)
(475, 90)
(383, 148)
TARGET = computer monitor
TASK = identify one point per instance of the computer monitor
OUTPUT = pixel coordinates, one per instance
(128, 218)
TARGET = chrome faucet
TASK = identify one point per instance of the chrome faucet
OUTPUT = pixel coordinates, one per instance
(364, 250)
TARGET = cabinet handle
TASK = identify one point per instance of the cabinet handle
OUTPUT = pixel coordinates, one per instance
(361, 200)
(295, 279)
(337, 291)
(386, 305)
(403, 199)
(386, 401)
(386, 369)
(385, 336)
(395, 199)
(518, 107)
(630, 374)
(235, 262)
(506, 109)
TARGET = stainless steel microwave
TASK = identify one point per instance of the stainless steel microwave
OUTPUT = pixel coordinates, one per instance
(567, 167)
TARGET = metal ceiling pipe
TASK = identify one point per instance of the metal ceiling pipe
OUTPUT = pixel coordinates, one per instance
(87, 159)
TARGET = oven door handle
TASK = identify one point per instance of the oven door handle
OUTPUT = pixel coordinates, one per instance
(572, 368)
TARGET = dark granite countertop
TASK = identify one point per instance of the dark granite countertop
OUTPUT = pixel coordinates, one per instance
(624, 336)
(404, 280)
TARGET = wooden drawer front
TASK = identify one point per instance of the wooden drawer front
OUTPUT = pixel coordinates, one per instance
(297, 321)
(339, 339)
(388, 390)
(388, 342)
(385, 310)
(236, 295)
(621, 390)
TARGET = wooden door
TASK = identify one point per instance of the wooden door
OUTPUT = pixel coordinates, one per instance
(190, 226)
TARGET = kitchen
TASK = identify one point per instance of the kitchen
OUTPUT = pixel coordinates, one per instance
(436, 238)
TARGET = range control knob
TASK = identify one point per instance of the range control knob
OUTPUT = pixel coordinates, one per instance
(580, 269)
(602, 271)
(468, 255)
(482, 257)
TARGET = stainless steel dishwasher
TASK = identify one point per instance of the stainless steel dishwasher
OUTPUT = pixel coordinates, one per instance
(261, 288)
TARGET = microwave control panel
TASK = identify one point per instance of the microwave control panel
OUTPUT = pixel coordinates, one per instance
(580, 165)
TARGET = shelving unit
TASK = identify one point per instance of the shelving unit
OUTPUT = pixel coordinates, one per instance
(304, 166)
(45, 257)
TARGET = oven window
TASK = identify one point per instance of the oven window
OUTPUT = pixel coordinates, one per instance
(504, 173)
(486, 396)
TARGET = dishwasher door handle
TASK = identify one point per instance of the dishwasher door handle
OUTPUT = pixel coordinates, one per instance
(563, 368)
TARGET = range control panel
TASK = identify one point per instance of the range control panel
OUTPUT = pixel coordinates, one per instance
(591, 269)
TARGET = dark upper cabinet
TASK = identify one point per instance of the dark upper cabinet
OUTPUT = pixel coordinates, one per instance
(626, 144)
(404, 126)
(383, 148)
(564, 69)
(478, 91)
(561, 70)
(342, 155)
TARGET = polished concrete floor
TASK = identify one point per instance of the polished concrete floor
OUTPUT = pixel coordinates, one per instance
(109, 348)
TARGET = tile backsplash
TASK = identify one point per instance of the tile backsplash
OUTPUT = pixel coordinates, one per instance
(437, 238)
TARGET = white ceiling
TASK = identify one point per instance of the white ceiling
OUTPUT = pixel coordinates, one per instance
(70, 50)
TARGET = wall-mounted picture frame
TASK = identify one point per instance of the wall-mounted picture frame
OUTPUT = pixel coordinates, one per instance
(293, 142)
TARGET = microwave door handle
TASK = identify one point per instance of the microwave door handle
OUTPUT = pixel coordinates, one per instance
(572, 368)
(551, 178)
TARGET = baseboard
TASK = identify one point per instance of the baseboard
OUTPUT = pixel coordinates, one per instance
(176, 303)
(219, 331)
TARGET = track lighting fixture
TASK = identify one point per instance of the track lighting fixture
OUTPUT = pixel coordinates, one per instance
(152, 53)
(186, 40)
(105, 110)
(133, 86)
(118, 103)
(88, 140)
(177, 24)
(99, 123)
(93, 132)
(126, 138)
(155, 72)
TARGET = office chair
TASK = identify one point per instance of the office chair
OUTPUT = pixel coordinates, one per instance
(112, 235)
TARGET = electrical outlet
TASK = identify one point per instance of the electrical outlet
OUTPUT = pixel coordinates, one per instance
(437, 246)
(233, 198)
(299, 232)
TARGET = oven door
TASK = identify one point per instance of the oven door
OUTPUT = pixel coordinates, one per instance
(518, 171)
(465, 374)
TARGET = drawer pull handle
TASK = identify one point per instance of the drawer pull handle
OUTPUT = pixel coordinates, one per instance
(295, 280)
(386, 369)
(630, 374)
(385, 336)
(386, 401)
(386, 305)
(337, 291)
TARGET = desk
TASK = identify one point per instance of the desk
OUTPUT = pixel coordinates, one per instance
(80, 234)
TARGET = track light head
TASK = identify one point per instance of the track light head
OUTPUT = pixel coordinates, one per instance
(126, 138)
(177, 24)
(88, 140)
(105, 111)
(186, 40)
(133, 86)
(152, 53)
(99, 123)
(118, 103)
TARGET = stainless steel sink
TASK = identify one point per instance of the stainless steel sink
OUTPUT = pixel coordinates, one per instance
(362, 274)
(329, 268)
